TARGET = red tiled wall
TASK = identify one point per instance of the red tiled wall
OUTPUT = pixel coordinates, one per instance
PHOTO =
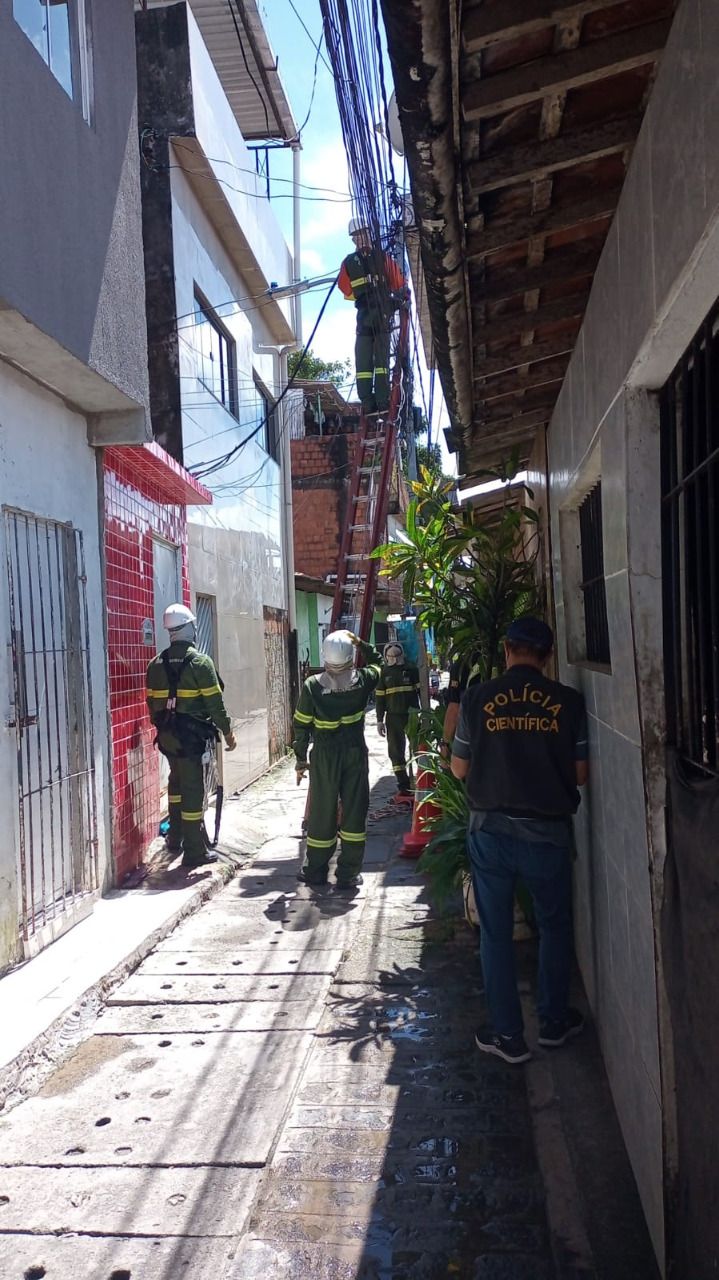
(132, 515)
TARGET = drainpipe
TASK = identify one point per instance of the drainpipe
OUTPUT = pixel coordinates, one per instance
(287, 524)
(296, 237)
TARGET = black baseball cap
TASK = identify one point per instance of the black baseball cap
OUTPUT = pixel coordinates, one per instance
(532, 632)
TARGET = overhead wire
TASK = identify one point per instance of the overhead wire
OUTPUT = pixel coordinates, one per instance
(305, 122)
(260, 95)
(212, 465)
(315, 44)
(305, 186)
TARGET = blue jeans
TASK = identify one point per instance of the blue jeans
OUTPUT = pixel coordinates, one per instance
(497, 862)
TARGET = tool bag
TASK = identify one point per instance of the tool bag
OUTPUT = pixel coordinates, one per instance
(179, 734)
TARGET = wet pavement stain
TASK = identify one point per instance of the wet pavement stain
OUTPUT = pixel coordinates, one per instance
(88, 1059)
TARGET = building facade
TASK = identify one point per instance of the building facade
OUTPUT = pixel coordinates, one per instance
(73, 379)
(585, 338)
(217, 355)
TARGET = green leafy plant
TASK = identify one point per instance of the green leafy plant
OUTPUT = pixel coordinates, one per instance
(467, 573)
(312, 368)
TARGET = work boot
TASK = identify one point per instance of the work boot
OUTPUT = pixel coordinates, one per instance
(315, 878)
(353, 882)
(192, 861)
(404, 787)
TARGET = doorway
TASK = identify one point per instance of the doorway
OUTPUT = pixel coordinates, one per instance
(52, 715)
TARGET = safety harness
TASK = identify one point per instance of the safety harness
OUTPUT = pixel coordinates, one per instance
(189, 734)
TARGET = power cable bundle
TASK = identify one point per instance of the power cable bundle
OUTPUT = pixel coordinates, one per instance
(354, 46)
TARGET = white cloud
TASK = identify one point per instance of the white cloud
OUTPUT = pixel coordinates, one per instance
(313, 264)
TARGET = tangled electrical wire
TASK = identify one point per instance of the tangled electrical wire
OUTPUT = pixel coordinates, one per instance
(354, 47)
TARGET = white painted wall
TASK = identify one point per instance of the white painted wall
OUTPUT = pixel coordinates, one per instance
(236, 547)
(46, 469)
(657, 278)
(234, 166)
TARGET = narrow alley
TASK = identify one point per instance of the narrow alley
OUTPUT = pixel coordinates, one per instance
(287, 1086)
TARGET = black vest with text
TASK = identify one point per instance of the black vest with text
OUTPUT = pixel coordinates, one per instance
(523, 730)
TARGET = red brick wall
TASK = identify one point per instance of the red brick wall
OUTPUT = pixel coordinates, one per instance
(132, 515)
(321, 468)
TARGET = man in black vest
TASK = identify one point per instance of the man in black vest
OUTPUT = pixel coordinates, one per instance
(521, 746)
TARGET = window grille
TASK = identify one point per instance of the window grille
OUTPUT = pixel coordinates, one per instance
(217, 357)
(205, 613)
(593, 586)
(690, 550)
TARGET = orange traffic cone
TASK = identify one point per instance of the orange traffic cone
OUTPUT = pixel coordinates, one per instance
(416, 840)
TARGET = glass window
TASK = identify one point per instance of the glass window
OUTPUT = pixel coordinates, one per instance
(267, 414)
(217, 366)
(51, 26)
(59, 40)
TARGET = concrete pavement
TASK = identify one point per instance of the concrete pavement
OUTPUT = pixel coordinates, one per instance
(287, 1086)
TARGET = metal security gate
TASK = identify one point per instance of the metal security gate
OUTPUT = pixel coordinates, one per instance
(57, 843)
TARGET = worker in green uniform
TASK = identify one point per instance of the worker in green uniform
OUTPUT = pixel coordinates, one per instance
(372, 280)
(330, 714)
(184, 699)
(397, 693)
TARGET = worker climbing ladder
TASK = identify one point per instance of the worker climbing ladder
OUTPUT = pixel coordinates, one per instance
(367, 506)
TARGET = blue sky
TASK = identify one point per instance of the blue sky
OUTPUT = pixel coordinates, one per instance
(325, 213)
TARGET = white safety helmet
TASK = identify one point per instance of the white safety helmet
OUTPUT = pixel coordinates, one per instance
(393, 653)
(337, 651)
(176, 616)
(357, 224)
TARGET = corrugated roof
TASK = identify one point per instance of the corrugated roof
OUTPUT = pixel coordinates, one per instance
(247, 68)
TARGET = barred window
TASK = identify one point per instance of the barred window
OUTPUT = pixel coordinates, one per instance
(690, 549)
(593, 586)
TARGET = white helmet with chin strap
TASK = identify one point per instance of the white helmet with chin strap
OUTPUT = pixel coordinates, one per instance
(357, 224)
(176, 617)
(393, 653)
(337, 652)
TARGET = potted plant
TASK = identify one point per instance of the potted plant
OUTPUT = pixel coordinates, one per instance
(468, 574)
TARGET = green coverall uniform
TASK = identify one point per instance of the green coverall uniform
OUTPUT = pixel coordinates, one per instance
(397, 692)
(334, 722)
(200, 705)
(370, 279)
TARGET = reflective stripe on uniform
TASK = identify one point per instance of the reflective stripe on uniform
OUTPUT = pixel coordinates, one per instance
(364, 375)
(322, 844)
(360, 280)
(335, 724)
(379, 693)
(197, 693)
(402, 688)
(377, 369)
(356, 837)
(191, 817)
(398, 768)
(304, 719)
(174, 799)
(157, 693)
